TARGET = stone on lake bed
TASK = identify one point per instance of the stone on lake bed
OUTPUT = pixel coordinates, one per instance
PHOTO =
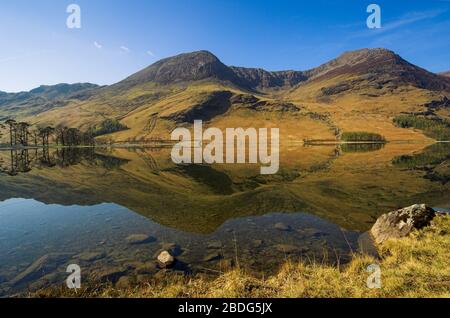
(147, 268)
(290, 249)
(90, 256)
(214, 256)
(41, 267)
(135, 239)
(258, 243)
(165, 260)
(214, 245)
(173, 248)
(109, 274)
(282, 226)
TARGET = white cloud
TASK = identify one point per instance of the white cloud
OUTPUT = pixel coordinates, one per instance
(150, 53)
(125, 49)
(97, 45)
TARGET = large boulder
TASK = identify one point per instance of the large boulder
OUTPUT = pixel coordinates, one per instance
(400, 223)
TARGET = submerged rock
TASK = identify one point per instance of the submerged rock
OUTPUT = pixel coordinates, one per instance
(400, 223)
(165, 260)
(286, 248)
(90, 256)
(291, 249)
(257, 243)
(173, 248)
(41, 267)
(214, 245)
(214, 256)
(139, 239)
(147, 268)
(109, 274)
(282, 227)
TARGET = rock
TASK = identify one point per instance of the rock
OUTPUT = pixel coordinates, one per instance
(290, 249)
(165, 260)
(319, 234)
(90, 256)
(400, 223)
(147, 268)
(282, 227)
(135, 239)
(214, 245)
(109, 274)
(173, 248)
(124, 282)
(41, 267)
(257, 243)
(213, 256)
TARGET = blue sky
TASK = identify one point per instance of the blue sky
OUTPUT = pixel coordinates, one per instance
(119, 37)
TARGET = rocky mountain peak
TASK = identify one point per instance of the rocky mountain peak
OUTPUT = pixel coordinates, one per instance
(184, 67)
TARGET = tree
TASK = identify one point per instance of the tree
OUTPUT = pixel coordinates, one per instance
(45, 133)
(12, 131)
(60, 132)
(23, 133)
(1, 127)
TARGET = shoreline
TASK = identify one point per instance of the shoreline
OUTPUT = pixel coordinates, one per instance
(170, 144)
(400, 259)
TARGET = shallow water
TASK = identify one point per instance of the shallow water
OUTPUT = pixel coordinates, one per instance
(79, 206)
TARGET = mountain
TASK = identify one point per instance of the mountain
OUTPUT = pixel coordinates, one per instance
(259, 79)
(379, 67)
(447, 74)
(360, 90)
(42, 99)
(182, 68)
(203, 65)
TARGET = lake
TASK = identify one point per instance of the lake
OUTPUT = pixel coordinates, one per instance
(112, 210)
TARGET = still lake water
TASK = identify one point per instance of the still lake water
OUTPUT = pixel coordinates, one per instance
(85, 206)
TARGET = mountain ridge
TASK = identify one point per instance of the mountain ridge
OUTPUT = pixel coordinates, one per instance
(319, 103)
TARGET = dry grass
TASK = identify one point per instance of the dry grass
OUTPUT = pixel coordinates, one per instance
(416, 266)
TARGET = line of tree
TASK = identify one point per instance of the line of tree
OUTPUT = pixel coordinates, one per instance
(20, 134)
(73, 137)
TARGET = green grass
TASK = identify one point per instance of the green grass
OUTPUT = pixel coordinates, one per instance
(433, 155)
(108, 126)
(361, 136)
(435, 127)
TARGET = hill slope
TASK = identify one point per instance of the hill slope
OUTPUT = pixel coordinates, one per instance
(360, 90)
(42, 99)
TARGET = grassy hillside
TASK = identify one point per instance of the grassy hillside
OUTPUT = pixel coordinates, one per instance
(362, 90)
